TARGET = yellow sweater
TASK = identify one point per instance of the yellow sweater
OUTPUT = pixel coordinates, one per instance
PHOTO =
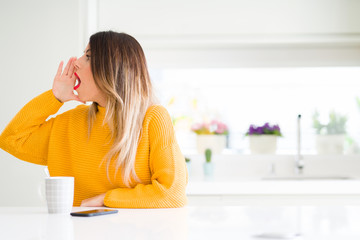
(62, 143)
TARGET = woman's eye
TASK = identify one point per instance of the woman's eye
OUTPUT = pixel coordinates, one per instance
(87, 57)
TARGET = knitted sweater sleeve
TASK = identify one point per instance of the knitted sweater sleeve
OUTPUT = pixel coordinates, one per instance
(168, 171)
(27, 135)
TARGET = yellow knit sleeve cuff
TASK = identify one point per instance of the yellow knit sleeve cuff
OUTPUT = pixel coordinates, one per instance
(53, 101)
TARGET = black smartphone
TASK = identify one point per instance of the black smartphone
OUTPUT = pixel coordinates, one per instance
(95, 212)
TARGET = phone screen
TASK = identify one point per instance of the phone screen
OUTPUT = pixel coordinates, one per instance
(95, 212)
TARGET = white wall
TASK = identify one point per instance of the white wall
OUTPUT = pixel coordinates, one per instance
(35, 36)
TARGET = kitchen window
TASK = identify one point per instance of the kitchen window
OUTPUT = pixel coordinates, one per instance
(243, 96)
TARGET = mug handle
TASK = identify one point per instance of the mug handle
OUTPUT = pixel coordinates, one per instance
(41, 191)
(41, 186)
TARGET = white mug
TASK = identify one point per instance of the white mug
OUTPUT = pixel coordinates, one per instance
(59, 194)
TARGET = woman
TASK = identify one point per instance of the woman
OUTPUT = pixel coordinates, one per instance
(121, 150)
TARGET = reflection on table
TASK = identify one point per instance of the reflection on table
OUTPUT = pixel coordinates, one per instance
(191, 222)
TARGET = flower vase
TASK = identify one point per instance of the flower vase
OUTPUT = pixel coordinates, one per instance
(263, 144)
(216, 143)
(208, 170)
(330, 144)
(188, 166)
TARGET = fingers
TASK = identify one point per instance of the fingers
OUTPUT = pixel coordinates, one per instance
(72, 67)
(66, 70)
(69, 68)
(58, 73)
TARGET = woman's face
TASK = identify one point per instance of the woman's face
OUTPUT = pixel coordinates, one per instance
(85, 86)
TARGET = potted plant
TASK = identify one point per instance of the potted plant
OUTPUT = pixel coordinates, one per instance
(263, 139)
(210, 136)
(188, 164)
(330, 136)
(208, 165)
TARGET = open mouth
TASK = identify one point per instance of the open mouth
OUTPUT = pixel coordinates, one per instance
(78, 82)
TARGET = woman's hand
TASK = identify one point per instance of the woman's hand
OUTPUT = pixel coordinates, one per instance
(64, 82)
(97, 201)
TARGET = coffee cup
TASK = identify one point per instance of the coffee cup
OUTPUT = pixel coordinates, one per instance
(59, 193)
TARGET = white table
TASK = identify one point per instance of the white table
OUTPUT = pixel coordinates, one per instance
(191, 222)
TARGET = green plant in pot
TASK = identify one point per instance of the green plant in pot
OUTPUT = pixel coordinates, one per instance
(208, 165)
(208, 155)
(335, 125)
(330, 135)
(188, 164)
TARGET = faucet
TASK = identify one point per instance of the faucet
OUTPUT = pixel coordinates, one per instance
(299, 163)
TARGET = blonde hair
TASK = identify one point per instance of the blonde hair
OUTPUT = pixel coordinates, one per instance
(120, 71)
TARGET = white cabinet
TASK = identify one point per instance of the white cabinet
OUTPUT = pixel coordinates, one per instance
(228, 18)
(239, 33)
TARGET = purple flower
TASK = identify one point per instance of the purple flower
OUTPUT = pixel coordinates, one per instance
(260, 130)
(267, 128)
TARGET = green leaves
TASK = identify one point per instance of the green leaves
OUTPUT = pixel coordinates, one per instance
(208, 155)
(336, 124)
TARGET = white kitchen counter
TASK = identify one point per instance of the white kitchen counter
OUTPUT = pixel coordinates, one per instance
(274, 187)
(191, 222)
(241, 179)
(254, 191)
